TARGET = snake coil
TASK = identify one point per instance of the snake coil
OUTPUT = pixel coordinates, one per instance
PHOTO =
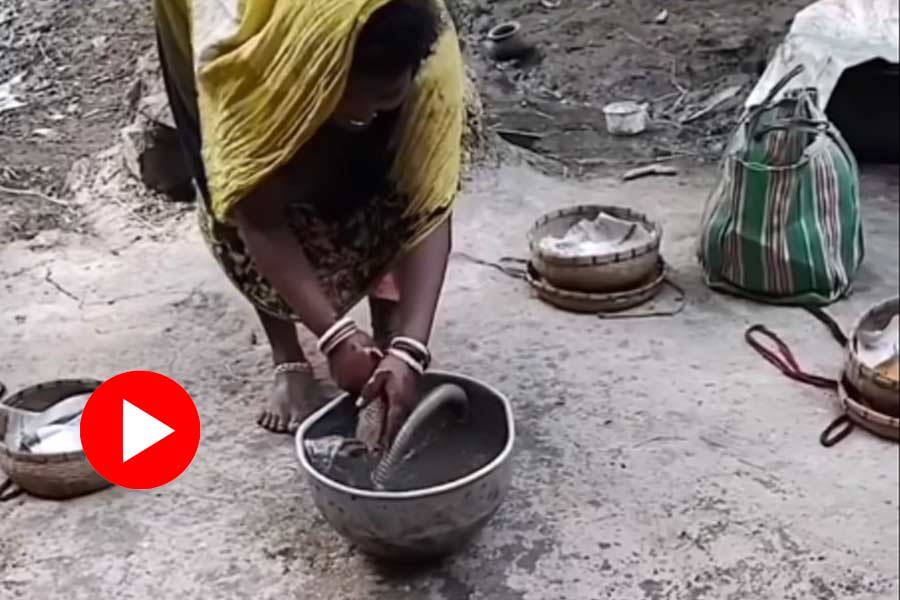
(443, 395)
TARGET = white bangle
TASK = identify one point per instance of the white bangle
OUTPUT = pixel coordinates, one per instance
(339, 328)
(337, 340)
(413, 343)
(406, 358)
(414, 348)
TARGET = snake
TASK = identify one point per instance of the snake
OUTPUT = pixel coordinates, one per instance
(372, 420)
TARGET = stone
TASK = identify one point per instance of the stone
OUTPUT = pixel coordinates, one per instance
(152, 154)
(151, 150)
(155, 108)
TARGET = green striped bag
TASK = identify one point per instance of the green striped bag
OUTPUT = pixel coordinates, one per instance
(783, 224)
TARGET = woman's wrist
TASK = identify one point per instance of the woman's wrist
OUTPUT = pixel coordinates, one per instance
(407, 359)
(336, 334)
(306, 297)
(415, 323)
(411, 351)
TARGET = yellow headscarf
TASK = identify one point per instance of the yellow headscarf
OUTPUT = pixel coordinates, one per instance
(270, 73)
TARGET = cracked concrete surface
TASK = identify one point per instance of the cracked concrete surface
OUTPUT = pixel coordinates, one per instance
(658, 459)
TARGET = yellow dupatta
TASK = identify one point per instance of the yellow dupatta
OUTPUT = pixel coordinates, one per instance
(269, 73)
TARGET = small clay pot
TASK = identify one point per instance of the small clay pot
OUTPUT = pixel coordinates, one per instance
(505, 42)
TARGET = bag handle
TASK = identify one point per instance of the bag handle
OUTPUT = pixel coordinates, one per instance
(813, 130)
(801, 122)
(755, 111)
(823, 317)
(783, 359)
(816, 127)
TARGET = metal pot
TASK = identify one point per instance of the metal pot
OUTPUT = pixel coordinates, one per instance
(418, 525)
(626, 118)
(505, 42)
(882, 393)
(596, 274)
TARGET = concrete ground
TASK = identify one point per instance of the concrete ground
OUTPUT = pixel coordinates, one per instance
(657, 459)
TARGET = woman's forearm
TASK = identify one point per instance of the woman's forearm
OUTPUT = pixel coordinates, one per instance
(420, 279)
(281, 260)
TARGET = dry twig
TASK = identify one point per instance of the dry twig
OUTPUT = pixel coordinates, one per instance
(714, 102)
(649, 170)
(612, 162)
(34, 194)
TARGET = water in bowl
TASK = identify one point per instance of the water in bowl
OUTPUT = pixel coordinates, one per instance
(443, 449)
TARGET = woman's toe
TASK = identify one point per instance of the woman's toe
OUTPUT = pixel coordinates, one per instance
(269, 421)
(279, 424)
(263, 419)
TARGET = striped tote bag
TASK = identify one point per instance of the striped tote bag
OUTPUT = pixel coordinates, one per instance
(783, 224)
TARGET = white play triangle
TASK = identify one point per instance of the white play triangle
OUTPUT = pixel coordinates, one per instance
(140, 431)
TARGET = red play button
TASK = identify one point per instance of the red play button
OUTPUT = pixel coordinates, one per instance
(140, 430)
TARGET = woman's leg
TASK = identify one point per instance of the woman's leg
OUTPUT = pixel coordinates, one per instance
(296, 394)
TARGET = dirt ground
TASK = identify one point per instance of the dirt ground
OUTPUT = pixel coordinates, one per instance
(77, 63)
(657, 459)
(595, 52)
(82, 65)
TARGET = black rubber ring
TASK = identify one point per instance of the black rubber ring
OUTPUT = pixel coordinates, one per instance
(828, 440)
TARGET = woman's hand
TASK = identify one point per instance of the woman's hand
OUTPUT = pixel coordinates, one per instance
(397, 385)
(353, 362)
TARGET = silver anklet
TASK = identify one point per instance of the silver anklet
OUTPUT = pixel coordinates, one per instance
(293, 367)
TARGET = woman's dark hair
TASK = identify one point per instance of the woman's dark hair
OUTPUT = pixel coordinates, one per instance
(398, 37)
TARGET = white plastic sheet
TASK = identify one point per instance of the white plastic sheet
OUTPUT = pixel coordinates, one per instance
(829, 37)
(603, 236)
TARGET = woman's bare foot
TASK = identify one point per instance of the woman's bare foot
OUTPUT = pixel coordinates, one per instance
(296, 395)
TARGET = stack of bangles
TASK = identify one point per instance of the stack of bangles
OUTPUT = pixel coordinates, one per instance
(412, 352)
(336, 335)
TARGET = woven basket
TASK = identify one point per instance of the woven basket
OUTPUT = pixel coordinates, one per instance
(883, 393)
(584, 302)
(55, 476)
(613, 272)
(866, 417)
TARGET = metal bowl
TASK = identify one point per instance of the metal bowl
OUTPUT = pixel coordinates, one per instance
(423, 524)
(613, 272)
(57, 475)
(882, 393)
